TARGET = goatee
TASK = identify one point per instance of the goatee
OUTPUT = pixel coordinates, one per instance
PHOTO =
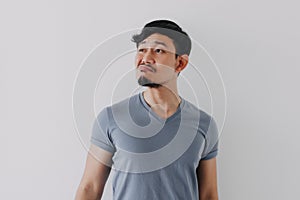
(143, 81)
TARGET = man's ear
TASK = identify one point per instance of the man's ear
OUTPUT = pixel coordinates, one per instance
(182, 62)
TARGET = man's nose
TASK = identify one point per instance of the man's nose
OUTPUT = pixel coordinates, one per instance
(148, 57)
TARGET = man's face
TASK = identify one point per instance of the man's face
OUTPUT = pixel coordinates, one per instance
(155, 61)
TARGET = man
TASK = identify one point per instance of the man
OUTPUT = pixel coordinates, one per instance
(161, 146)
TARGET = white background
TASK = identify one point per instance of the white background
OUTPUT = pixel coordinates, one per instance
(254, 43)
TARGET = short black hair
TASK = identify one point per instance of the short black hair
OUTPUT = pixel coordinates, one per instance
(181, 39)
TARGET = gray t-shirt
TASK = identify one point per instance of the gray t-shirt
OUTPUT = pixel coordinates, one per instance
(155, 158)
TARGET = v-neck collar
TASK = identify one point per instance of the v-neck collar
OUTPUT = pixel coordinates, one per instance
(179, 108)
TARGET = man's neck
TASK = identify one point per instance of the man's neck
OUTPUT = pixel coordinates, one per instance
(162, 98)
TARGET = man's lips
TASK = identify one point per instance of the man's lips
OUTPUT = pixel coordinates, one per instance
(145, 68)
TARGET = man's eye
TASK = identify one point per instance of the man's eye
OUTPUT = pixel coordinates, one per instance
(159, 51)
(140, 50)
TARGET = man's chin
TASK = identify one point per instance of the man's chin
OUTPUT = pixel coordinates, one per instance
(147, 83)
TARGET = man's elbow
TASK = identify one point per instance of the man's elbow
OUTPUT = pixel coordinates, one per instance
(87, 191)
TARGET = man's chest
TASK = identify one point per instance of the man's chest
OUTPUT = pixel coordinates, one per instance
(173, 142)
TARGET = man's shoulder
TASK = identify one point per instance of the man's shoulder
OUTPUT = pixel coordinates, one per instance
(124, 102)
(203, 118)
(121, 105)
(191, 107)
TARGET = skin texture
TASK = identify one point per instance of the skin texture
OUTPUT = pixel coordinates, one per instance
(96, 172)
(157, 68)
(207, 179)
(163, 100)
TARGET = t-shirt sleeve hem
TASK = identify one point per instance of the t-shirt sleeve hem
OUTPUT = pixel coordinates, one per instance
(210, 155)
(102, 145)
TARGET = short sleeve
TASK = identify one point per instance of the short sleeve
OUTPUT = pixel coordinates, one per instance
(212, 141)
(100, 132)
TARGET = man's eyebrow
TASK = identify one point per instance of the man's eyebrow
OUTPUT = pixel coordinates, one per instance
(156, 42)
(162, 43)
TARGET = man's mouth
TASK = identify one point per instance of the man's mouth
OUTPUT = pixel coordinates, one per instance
(146, 68)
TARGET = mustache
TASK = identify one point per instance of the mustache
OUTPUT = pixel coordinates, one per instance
(150, 66)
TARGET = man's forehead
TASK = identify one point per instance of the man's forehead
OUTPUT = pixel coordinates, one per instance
(152, 42)
(157, 38)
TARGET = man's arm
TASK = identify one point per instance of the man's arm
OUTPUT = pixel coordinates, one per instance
(207, 179)
(97, 169)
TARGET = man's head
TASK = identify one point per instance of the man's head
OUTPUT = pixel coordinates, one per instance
(162, 52)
